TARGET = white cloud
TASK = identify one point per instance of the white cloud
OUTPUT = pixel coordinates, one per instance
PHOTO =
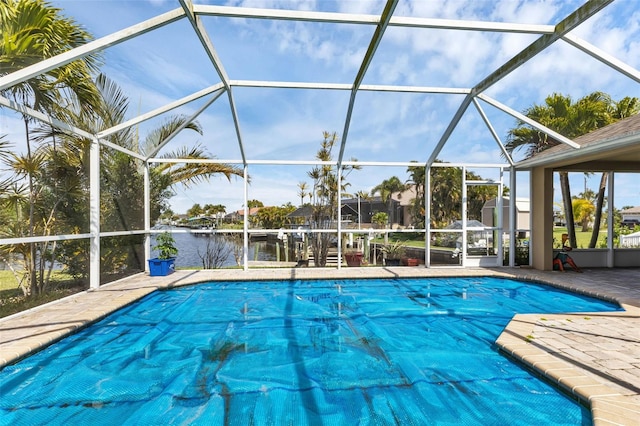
(165, 65)
(522, 12)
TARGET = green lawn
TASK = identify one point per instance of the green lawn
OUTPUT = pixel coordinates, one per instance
(582, 238)
(12, 300)
(7, 281)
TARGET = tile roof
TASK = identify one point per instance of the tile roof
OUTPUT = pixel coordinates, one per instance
(625, 127)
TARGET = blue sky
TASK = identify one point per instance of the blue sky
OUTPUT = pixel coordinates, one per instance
(170, 63)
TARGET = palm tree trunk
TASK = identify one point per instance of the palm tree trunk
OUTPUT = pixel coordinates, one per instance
(568, 208)
(599, 206)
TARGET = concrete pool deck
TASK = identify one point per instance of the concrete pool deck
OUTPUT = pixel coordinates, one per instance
(595, 357)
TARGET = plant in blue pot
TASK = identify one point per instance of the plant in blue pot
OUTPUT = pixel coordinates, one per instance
(164, 264)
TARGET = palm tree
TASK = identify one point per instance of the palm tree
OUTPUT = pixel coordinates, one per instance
(121, 174)
(446, 195)
(325, 189)
(571, 119)
(625, 107)
(386, 189)
(33, 30)
(362, 194)
(302, 186)
(416, 178)
(113, 110)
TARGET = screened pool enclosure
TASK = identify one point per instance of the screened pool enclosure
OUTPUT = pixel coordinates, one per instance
(409, 89)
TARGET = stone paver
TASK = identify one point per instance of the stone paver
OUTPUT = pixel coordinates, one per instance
(595, 357)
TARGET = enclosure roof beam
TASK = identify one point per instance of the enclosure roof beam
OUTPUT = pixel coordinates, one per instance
(156, 112)
(46, 65)
(121, 149)
(493, 132)
(368, 57)
(450, 128)
(346, 18)
(346, 86)
(317, 162)
(186, 122)
(603, 57)
(580, 15)
(25, 110)
(62, 125)
(530, 122)
(203, 36)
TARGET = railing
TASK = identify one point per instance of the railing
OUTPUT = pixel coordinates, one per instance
(631, 240)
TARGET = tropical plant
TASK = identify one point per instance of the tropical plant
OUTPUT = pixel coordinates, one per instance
(274, 217)
(195, 210)
(583, 210)
(165, 245)
(33, 30)
(380, 219)
(254, 203)
(122, 178)
(417, 179)
(214, 209)
(570, 119)
(386, 189)
(362, 194)
(394, 250)
(325, 189)
(446, 196)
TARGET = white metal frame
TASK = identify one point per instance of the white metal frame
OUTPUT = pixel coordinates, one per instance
(548, 35)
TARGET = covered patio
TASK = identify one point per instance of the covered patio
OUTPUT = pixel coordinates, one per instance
(612, 149)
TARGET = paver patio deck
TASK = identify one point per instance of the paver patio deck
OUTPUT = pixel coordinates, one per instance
(595, 357)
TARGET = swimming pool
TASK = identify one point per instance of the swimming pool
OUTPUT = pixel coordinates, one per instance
(403, 351)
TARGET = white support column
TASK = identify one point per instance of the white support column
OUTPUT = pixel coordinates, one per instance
(427, 216)
(532, 202)
(147, 215)
(463, 253)
(610, 248)
(513, 218)
(94, 214)
(500, 224)
(339, 216)
(245, 231)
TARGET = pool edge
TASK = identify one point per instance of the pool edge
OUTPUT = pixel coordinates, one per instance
(608, 405)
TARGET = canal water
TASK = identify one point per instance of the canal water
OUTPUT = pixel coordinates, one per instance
(192, 247)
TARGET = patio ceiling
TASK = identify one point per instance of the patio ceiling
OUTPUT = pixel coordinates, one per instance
(198, 24)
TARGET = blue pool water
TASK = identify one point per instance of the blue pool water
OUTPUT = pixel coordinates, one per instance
(368, 352)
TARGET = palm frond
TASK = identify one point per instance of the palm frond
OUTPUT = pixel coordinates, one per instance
(189, 174)
(158, 136)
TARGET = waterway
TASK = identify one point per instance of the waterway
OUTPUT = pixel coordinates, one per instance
(193, 246)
